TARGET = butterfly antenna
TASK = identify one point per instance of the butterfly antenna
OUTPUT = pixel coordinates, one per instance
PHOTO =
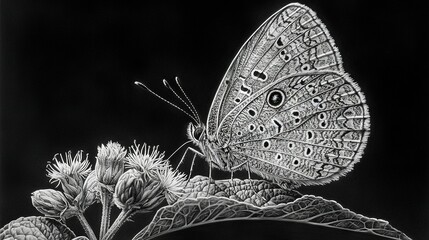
(165, 100)
(187, 98)
(194, 113)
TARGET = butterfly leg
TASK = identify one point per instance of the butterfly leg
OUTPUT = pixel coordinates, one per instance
(184, 154)
(253, 187)
(210, 178)
(191, 169)
(232, 181)
(192, 166)
(248, 170)
(249, 177)
(196, 152)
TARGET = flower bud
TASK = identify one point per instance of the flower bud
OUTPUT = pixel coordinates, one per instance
(137, 190)
(52, 203)
(110, 163)
(72, 187)
(90, 193)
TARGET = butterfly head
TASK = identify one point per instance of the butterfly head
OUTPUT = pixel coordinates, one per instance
(196, 132)
(214, 154)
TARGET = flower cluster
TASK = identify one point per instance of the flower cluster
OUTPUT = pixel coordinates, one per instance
(138, 179)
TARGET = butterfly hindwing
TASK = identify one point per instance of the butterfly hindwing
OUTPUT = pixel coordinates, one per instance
(313, 133)
(291, 41)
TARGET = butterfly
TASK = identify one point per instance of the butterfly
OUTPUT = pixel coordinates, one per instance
(285, 108)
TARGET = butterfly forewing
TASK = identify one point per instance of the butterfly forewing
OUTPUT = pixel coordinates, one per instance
(291, 41)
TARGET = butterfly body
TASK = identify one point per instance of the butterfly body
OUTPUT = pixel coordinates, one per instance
(285, 106)
(209, 147)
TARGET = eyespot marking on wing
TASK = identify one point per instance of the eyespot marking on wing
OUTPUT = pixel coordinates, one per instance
(280, 42)
(266, 144)
(252, 112)
(285, 56)
(259, 75)
(278, 124)
(276, 98)
(296, 162)
(310, 135)
(308, 151)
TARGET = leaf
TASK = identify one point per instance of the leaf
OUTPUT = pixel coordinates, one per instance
(257, 192)
(35, 228)
(234, 200)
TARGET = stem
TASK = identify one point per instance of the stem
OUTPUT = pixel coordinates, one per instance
(106, 202)
(120, 220)
(88, 230)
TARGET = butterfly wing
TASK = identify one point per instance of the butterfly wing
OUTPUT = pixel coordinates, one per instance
(291, 41)
(313, 133)
(285, 105)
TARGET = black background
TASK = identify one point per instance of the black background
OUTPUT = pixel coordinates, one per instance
(67, 73)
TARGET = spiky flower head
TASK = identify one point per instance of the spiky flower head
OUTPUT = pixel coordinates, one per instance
(110, 163)
(137, 190)
(146, 159)
(172, 182)
(52, 203)
(69, 172)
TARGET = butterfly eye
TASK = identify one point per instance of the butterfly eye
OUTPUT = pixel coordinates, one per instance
(275, 98)
(197, 132)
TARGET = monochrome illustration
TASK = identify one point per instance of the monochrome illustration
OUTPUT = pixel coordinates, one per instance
(283, 140)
